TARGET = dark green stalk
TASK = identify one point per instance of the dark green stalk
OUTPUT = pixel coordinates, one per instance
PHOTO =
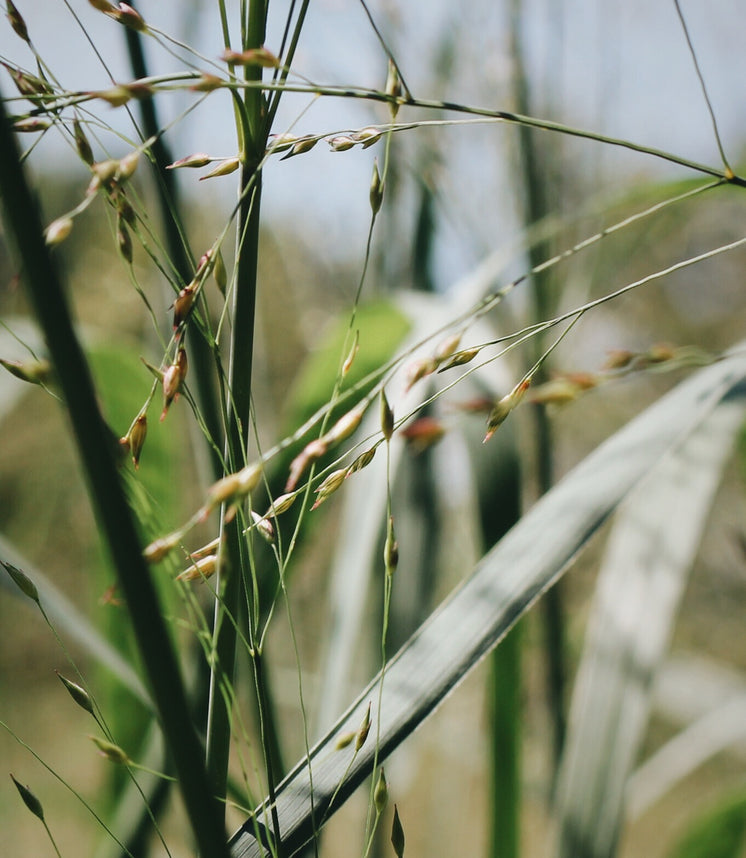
(505, 711)
(234, 575)
(96, 448)
(544, 302)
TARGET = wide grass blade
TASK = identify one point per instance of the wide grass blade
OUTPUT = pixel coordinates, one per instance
(651, 549)
(509, 579)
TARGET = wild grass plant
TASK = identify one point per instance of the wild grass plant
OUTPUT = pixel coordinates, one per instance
(376, 534)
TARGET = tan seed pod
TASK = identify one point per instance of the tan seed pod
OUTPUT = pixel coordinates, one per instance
(364, 729)
(224, 168)
(58, 230)
(341, 143)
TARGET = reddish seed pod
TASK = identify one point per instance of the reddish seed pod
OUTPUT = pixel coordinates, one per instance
(183, 305)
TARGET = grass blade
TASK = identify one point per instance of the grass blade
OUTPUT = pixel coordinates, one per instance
(509, 579)
(650, 552)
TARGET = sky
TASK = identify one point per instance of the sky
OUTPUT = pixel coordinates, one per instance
(621, 68)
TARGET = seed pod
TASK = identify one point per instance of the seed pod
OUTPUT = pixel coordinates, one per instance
(58, 230)
(329, 486)
(281, 142)
(341, 143)
(183, 304)
(361, 462)
(130, 18)
(32, 371)
(124, 240)
(397, 834)
(82, 144)
(390, 548)
(200, 569)
(22, 581)
(447, 347)
(220, 274)
(367, 136)
(393, 88)
(380, 793)
(173, 378)
(125, 210)
(352, 354)
(419, 369)
(224, 168)
(253, 57)
(31, 125)
(78, 694)
(266, 528)
(17, 22)
(376, 190)
(504, 406)
(137, 435)
(29, 799)
(198, 159)
(128, 165)
(387, 417)
(301, 146)
(344, 740)
(232, 488)
(344, 427)
(103, 6)
(117, 96)
(280, 504)
(460, 358)
(312, 451)
(105, 171)
(423, 433)
(158, 549)
(112, 752)
(207, 83)
(364, 729)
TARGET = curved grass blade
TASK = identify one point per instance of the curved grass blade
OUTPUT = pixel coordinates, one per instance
(508, 580)
(650, 552)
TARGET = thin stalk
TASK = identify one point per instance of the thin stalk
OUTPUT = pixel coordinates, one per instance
(201, 358)
(544, 302)
(235, 559)
(93, 437)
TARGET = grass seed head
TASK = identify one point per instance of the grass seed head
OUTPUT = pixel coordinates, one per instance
(362, 461)
(224, 168)
(78, 693)
(387, 417)
(159, 548)
(22, 581)
(376, 190)
(112, 752)
(200, 569)
(341, 143)
(381, 792)
(197, 159)
(397, 834)
(29, 799)
(329, 486)
(58, 230)
(16, 22)
(183, 305)
(364, 729)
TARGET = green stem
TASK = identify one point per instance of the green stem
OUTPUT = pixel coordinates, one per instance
(544, 300)
(94, 440)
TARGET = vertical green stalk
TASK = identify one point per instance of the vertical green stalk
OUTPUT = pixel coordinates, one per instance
(544, 302)
(234, 576)
(499, 509)
(115, 518)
